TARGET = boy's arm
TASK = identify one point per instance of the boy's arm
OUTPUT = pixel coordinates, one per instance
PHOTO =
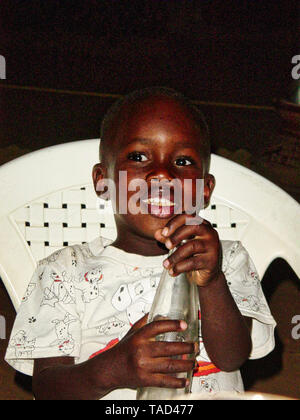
(220, 317)
(58, 378)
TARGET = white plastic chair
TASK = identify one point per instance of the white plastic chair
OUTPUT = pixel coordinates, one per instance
(48, 202)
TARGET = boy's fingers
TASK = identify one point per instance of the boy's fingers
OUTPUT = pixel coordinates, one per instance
(168, 381)
(192, 247)
(159, 236)
(159, 327)
(194, 263)
(187, 232)
(164, 349)
(180, 220)
(171, 226)
(165, 365)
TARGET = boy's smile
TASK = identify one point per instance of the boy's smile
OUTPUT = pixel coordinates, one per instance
(156, 140)
(159, 202)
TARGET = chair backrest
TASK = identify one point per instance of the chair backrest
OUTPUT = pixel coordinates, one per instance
(48, 202)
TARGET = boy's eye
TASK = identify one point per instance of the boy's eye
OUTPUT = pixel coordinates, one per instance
(137, 156)
(183, 161)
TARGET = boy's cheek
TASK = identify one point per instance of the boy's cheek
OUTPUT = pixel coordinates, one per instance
(120, 198)
(191, 200)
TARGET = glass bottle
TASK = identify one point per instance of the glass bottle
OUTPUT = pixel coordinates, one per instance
(177, 299)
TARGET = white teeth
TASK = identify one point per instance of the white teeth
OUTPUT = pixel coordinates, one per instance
(159, 202)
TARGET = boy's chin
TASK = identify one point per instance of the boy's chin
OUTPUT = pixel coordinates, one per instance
(145, 224)
(157, 220)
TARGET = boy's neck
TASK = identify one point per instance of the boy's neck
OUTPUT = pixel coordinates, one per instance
(135, 244)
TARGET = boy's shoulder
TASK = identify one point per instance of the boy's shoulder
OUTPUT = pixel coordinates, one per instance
(70, 255)
(235, 258)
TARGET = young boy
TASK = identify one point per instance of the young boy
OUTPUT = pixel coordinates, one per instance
(82, 327)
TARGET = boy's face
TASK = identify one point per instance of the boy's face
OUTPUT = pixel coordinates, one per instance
(155, 140)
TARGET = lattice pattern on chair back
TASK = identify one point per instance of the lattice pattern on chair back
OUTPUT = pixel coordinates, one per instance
(76, 215)
(230, 222)
(64, 218)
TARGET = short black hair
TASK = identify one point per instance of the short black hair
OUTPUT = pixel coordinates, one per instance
(145, 93)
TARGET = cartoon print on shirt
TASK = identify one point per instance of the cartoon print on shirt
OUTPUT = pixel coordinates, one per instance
(51, 259)
(209, 385)
(250, 302)
(89, 286)
(131, 272)
(64, 342)
(250, 279)
(138, 272)
(74, 258)
(112, 326)
(136, 298)
(228, 258)
(121, 299)
(61, 290)
(139, 309)
(86, 251)
(129, 293)
(23, 347)
(28, 292)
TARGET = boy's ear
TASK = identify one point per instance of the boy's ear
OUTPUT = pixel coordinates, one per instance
(209, 185)
(99, 175)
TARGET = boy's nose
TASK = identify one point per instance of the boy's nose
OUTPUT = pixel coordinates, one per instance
(159, 177)
(159, 182)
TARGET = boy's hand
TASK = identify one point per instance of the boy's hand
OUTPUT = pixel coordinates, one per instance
(199, 257)
(143, 362)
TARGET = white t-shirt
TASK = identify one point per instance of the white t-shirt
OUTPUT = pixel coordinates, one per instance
(83, 299)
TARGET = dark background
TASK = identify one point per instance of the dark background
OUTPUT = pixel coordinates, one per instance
(233, 52)
(232, 57)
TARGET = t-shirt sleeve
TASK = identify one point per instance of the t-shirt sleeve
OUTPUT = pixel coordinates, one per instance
(47, 322)
(245, 287)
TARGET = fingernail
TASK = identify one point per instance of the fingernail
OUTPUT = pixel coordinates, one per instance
(165, 231)
(183, 325)
(166, 263)
(168, 244)
(171, 272)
